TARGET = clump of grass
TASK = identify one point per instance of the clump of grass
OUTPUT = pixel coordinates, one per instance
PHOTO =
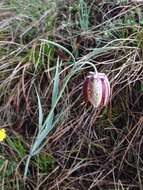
(41, 95)
(45, 163)
(84, 15)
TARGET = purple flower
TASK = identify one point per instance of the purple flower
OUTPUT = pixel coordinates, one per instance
(96, 89)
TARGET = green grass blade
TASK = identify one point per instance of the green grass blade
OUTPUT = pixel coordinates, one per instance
(47, 126)
(59, 46)
(40, 111)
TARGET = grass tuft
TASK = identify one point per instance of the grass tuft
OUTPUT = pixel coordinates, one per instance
(47, 48)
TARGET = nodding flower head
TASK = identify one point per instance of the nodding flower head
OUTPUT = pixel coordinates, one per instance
(96, 89)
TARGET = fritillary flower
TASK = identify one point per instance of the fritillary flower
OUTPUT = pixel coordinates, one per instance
(96, 89)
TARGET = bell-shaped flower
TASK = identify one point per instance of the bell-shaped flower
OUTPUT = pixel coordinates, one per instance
(96, 89)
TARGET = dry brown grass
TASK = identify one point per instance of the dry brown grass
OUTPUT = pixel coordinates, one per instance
(90, 149)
